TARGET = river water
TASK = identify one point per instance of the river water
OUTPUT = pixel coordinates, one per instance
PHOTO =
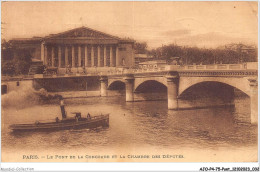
(197, 132)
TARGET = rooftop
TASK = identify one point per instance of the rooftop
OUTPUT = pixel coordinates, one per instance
(76, 33)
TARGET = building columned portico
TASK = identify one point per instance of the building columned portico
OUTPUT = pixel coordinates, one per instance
(80, 55)
(81, 48)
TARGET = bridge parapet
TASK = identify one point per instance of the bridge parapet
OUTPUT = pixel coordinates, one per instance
(218, 73)
(219, 69)
(243, 66)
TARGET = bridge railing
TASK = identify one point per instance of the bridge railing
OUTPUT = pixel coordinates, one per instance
(140, 70)
(242, 66)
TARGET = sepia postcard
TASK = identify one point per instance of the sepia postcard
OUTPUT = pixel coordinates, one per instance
(136, 81)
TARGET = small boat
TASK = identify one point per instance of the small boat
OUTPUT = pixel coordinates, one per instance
(77, 122)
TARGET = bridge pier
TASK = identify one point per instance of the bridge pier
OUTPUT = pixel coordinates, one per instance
(103, 86)
(172, 91)
(254, 100)
(129, 88)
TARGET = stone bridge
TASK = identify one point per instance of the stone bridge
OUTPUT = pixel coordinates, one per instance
(178, 79)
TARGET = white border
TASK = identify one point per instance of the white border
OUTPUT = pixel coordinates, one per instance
(121, 166)
(127, 166)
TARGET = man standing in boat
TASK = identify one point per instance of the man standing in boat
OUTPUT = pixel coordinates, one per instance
(62, 108)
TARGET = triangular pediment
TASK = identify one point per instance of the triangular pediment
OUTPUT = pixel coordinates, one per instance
(82, 32)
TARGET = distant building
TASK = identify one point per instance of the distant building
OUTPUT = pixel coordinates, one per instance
(240, 48)
(77, 49)
(248, 50)
(139, 58)
(174, 61)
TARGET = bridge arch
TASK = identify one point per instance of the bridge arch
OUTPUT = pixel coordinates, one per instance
(116, 84)
(139, 81)
(151, 85)
(240, 83)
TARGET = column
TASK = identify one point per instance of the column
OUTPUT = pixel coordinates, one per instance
(99, 60)
(172, 89)
(105, 56)
(86, 55)
(73, 56)
(52, 57)
(66, 56)
(111, 57)
(42, 52)
(129, 88)
(117, 57)
(45, 55)
(79, 56)
(103, 86)
(254, 100)
(92, 57)
(59, 55)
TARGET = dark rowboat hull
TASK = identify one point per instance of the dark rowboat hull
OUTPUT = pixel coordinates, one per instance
(95, 122)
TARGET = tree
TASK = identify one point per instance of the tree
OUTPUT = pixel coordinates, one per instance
(14, 61)
(8, 68)
(140, 47)
(22, 61)
(7, 58)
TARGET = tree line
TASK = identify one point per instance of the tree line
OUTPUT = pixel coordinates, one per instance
(228, 54)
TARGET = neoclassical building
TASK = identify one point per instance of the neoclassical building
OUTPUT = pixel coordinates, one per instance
(80, 49)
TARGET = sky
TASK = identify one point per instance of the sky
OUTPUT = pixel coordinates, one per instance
(201, 24)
